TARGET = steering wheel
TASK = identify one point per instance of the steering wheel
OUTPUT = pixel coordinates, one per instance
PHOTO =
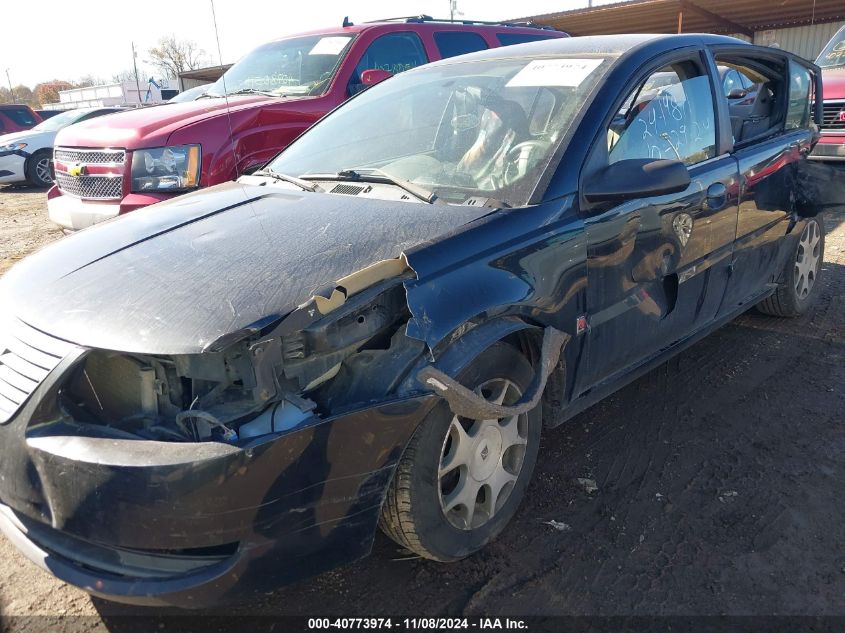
(515, 154)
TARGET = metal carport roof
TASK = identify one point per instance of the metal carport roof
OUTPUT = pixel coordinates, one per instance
(713, 16)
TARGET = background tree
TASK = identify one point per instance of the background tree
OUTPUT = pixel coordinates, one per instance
(88, 80)
(23, 94)
(48, 92)
(126, 75)
(173, 56)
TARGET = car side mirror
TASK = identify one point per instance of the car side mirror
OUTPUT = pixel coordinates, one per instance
(374, 76)
(737, 93)
(636, 178)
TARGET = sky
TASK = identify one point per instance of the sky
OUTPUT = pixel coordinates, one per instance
(66, 40)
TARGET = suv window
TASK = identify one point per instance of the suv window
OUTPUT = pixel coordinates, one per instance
(674, 120)
(21, 116)
(393, 52)
(507, 39)
(798, 111)
(452, 43)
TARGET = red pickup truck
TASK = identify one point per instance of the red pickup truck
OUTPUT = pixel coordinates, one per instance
(126, 161)
(831, 146)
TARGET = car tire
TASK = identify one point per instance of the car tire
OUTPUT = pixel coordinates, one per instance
(422, 511)
(801, 276)
(39, 169)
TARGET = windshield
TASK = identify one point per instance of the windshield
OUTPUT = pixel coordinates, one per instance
(297, 66)
(189, 95)
(834, 53)
(463, 130)
(56, 123)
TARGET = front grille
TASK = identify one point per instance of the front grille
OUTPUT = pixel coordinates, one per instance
(90, 156)
(103, 187)
(26, 357)
(833, 111)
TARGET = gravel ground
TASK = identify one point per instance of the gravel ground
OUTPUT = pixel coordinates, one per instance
(719, 490)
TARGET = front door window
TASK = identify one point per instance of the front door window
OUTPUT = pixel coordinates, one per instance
(668, 116)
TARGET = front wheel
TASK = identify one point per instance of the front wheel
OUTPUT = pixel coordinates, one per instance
(460, 481)
(801, 277)
(40, 169)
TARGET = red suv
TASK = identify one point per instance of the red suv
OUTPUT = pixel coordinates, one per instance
(126, 161)
(831, 146)
(17, 118)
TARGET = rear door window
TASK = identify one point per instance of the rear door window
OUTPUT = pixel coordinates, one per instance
(452, 43)
(21, 116)
(731, 82)
(506, 39)
(394, 52)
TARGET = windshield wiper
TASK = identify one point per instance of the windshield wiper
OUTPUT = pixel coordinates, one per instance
(299, 182)
(251, 91)
(379, 176)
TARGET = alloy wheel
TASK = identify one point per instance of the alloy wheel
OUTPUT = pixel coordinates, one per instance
(42, 170)
(807, 259)
(481, 460)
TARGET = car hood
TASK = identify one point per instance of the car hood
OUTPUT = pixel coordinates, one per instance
(833, 83)
(34, 140)
(151, 127)
(175, 276)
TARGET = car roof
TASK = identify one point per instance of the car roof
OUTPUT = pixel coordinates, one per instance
(613, 45)
(9, 106)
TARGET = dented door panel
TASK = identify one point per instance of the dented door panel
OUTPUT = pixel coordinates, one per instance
(770, 182)
(657, 270)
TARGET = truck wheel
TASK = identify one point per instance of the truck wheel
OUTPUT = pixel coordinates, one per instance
(801, 276)
(460, 481)
(39, 170)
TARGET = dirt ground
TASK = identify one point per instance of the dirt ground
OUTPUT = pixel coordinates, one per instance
(720, 482)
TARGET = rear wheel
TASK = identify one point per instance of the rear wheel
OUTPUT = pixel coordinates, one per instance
(460, 481)
(801, 277)
(40, 169)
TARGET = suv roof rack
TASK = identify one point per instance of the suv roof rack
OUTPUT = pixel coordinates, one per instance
(419, 19)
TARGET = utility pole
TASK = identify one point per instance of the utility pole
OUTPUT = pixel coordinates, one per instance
(11, 91)
(453, 10)
(135, 66)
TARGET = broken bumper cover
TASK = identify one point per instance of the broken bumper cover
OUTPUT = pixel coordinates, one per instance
(186, 524)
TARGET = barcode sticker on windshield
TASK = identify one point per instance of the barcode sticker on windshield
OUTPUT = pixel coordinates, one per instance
(329, 46)
(554, 72)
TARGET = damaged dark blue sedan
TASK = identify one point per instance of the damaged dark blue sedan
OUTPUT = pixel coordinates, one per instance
(234, 389)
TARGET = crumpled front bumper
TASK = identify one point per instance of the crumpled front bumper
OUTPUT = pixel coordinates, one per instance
(194, 524)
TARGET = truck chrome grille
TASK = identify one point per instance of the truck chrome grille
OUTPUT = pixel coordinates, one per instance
(26, 357)
(103, 187)
(90, 173)
(90, 156)
(833, 115)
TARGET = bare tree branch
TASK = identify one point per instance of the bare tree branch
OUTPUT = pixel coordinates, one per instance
(173, 56)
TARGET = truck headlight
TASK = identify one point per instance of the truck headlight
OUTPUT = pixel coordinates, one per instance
(174, 168)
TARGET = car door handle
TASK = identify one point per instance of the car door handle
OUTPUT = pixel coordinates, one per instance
(717, 196)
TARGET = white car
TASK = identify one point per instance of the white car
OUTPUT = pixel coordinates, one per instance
(27, 156)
